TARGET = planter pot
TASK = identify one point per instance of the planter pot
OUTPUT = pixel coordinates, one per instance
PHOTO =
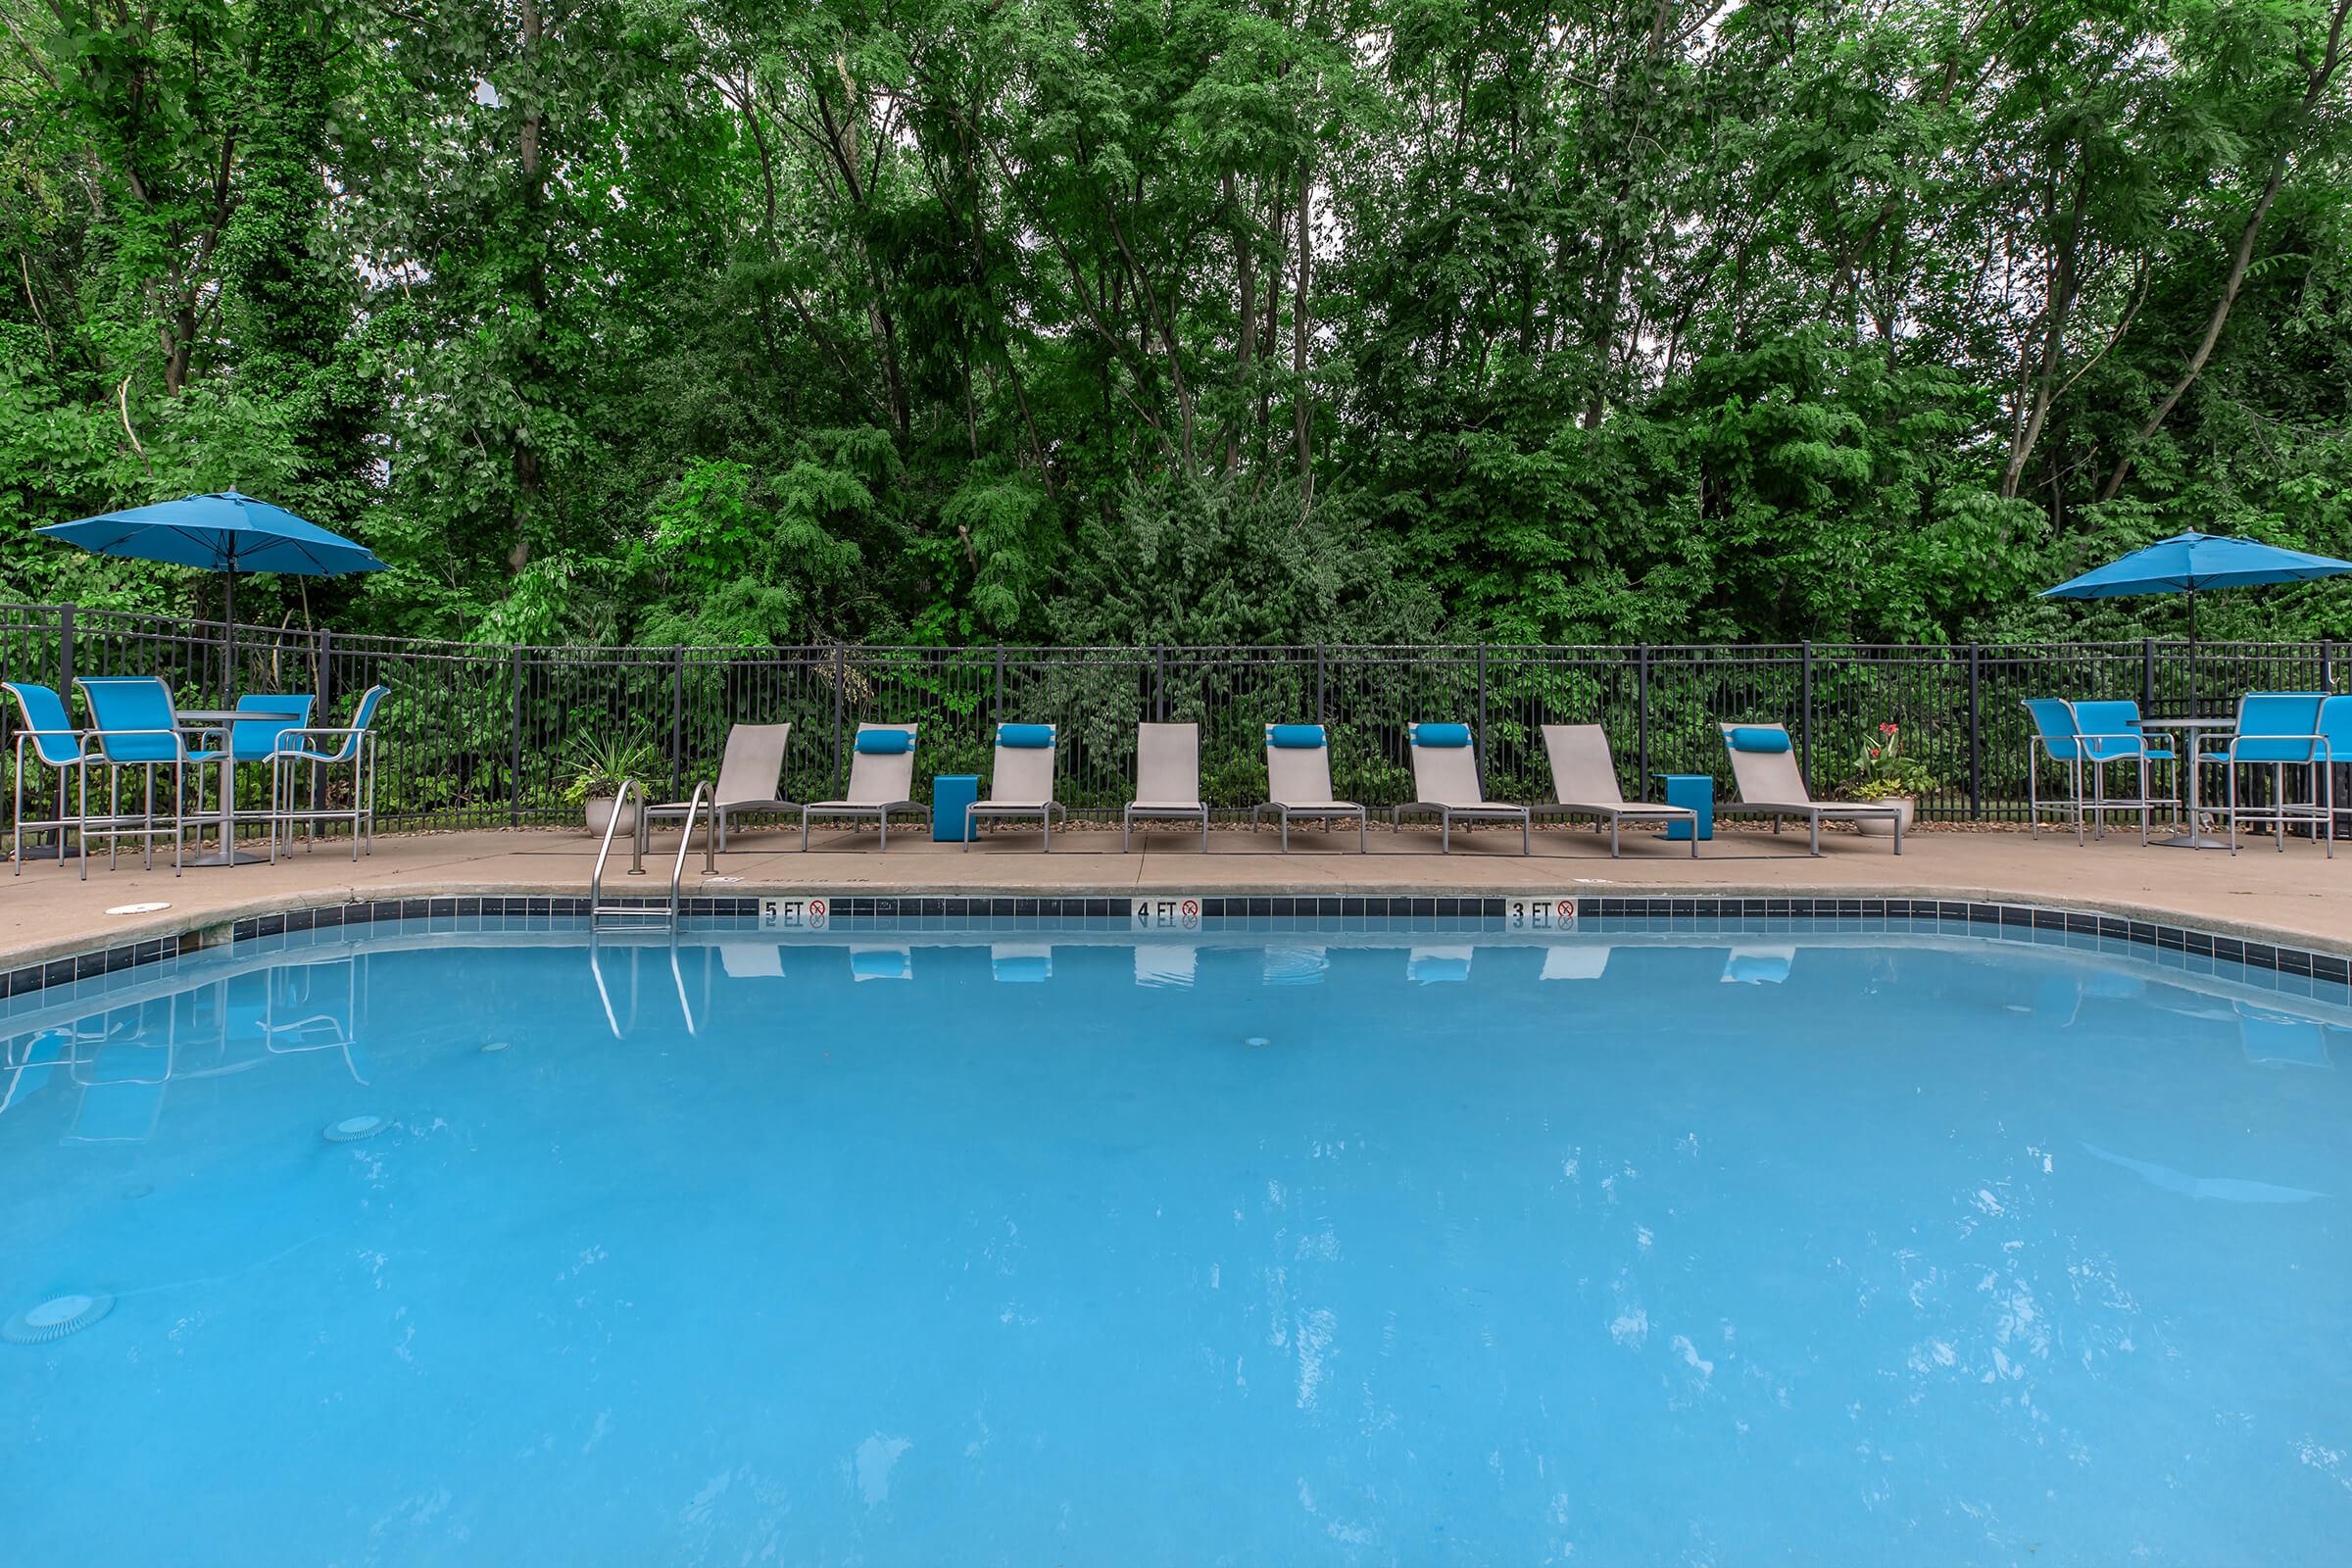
(1878, 827)
(600, 813)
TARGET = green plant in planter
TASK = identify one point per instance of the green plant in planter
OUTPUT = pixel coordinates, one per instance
(596, 765)
(1884, 770)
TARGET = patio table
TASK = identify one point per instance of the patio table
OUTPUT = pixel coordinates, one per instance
(2189, 729)
(216, 721)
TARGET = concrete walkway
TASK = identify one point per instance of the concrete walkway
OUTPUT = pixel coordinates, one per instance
(2297, 897)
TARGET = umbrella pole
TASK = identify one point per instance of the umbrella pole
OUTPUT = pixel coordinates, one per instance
(230, 638)
(2193, 654)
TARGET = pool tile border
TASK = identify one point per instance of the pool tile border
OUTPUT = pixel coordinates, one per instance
(2019, 921)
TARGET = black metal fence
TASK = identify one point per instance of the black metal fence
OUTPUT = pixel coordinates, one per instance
(479, 735)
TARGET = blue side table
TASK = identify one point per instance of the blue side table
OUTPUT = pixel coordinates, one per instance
(1697, 792)
(951, 793)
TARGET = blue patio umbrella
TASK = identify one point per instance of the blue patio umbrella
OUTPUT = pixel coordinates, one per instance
(225, 532)
(2191, 562)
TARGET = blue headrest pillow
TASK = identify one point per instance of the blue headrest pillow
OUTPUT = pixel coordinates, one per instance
(885, 742)
(1295, 737)
(1447, 735)
(1756, 738)
(1025, 737)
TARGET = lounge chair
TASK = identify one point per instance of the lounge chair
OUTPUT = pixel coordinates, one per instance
(1765, 964)
(1764, 771)
(1576, 961)
(751, 961)
(881, 780)
(1020, 781)
(881, 960)
(1295, 965)
(1584, 783)
(1445, 778)
(1020, 963)
(1439, 965)
(1168, 780)
(1298, 782)
(750, 772)
(1167, 965)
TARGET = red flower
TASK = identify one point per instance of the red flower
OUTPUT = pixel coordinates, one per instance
(1885, 729)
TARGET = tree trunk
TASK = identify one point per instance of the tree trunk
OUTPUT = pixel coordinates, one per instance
(2043, 381)
(525, 456)
(1301, 324)
(2239, 259)
(1270, 328)
(1245, 261)
(2317, 75)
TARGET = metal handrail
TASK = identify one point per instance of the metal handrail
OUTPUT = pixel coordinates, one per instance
(596, 878)
(696, 805)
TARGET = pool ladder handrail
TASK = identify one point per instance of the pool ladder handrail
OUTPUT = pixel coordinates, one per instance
(702, 800)
(700, 805)
(598, 909)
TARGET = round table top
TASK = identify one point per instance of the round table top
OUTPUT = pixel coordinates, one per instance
(2207, 721)
(232, 715)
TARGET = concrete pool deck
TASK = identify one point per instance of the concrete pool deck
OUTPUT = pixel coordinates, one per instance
(2298, 895)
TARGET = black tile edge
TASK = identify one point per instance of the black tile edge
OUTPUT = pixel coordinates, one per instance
(2007, 921)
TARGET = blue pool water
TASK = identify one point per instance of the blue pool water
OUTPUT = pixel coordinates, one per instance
(1353, 1248)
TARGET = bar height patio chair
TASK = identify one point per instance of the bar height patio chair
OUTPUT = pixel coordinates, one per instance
(2280, 731)
(2090, 739)
(133, 725)
(263, 742)
(48, 734)
(319, 749)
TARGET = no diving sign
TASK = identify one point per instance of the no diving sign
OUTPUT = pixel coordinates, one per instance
(795, 914)
(1179, 912)
(1552, 913)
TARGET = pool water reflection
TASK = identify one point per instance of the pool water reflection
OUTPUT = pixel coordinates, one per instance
(1350, 1246)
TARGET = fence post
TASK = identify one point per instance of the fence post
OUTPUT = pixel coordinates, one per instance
(1976, 734)
(65, 655)
(1160, 683)
(2147, 677)
(1318, 683)
(2326, 664)
(1481, 718)
(326, 672)
(1640, 720)
(514, 727)
(1804, 748)
(677, 724)
(840, 674)
(995, 712)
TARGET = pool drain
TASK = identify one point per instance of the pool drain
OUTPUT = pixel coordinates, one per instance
(493, 1045)
(56, 1318)
(1258, 1042)
(351, 1129)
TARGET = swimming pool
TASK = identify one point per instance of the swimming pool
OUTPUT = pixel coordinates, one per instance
(1345, 1245)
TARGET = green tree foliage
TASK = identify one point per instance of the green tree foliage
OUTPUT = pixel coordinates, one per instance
(1197, 320)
